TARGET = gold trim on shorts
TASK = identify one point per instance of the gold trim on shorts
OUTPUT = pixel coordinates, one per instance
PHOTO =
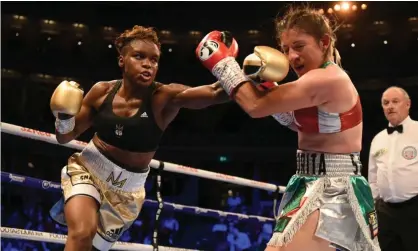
(120, 193)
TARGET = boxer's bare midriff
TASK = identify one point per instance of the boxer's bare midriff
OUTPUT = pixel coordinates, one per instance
(131, 161)
(348, 141)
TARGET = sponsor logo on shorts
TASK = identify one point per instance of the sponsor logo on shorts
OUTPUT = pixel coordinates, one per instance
(372, 221)
(116, 182)
(114, 233)
(16, 178)
(409, 152)
(85, 177)
(48, 184)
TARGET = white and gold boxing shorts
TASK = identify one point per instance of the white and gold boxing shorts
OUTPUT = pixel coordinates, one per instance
(119, 193)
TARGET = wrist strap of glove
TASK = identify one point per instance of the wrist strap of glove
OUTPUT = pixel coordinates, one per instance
(284, 118)
(65, 126)
(229, 74)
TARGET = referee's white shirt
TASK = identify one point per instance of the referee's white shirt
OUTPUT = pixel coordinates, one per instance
(393, 163)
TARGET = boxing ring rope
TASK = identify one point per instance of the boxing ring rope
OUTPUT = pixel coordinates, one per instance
(52, 186)
(171, 167)
(31, 235)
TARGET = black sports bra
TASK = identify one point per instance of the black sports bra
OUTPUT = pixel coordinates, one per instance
(139, 133)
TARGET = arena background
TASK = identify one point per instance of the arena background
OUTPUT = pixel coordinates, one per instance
(46, 42)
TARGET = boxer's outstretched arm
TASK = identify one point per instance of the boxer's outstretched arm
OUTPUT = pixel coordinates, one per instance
(312, 89)
(198, 97)
(84, 118)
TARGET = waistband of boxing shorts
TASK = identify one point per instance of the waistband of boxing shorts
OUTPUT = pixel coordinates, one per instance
(108, 172)
(327, 164)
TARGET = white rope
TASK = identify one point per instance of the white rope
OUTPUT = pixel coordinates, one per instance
(30, 235)
(199, 210)
(48, 185)
(171, 167)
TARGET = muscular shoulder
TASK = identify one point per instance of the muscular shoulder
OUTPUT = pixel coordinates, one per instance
(175, 88)
(172, 89)
(99, 90)
(326, 77)
(335, 77)
(323, 84)
(103, 87)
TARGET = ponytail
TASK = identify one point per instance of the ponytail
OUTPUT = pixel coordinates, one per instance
(333, 54)
(337, 58)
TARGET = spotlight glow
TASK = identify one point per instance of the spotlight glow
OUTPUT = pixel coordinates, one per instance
(345, 6)
(337, 7)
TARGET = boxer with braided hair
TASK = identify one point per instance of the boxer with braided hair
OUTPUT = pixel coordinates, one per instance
(103, 186)
(328, 204)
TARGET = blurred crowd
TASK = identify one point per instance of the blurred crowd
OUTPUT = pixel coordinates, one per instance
(29, 209)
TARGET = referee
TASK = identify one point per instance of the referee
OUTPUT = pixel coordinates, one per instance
(393, 174)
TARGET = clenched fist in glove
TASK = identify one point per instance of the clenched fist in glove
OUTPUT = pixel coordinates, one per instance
(266, 65)
(65, 103)
(218, 55)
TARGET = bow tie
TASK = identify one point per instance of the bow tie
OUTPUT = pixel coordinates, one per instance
(398, 128)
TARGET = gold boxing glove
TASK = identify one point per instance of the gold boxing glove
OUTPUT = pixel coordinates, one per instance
(266, 65)
(65, 103)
